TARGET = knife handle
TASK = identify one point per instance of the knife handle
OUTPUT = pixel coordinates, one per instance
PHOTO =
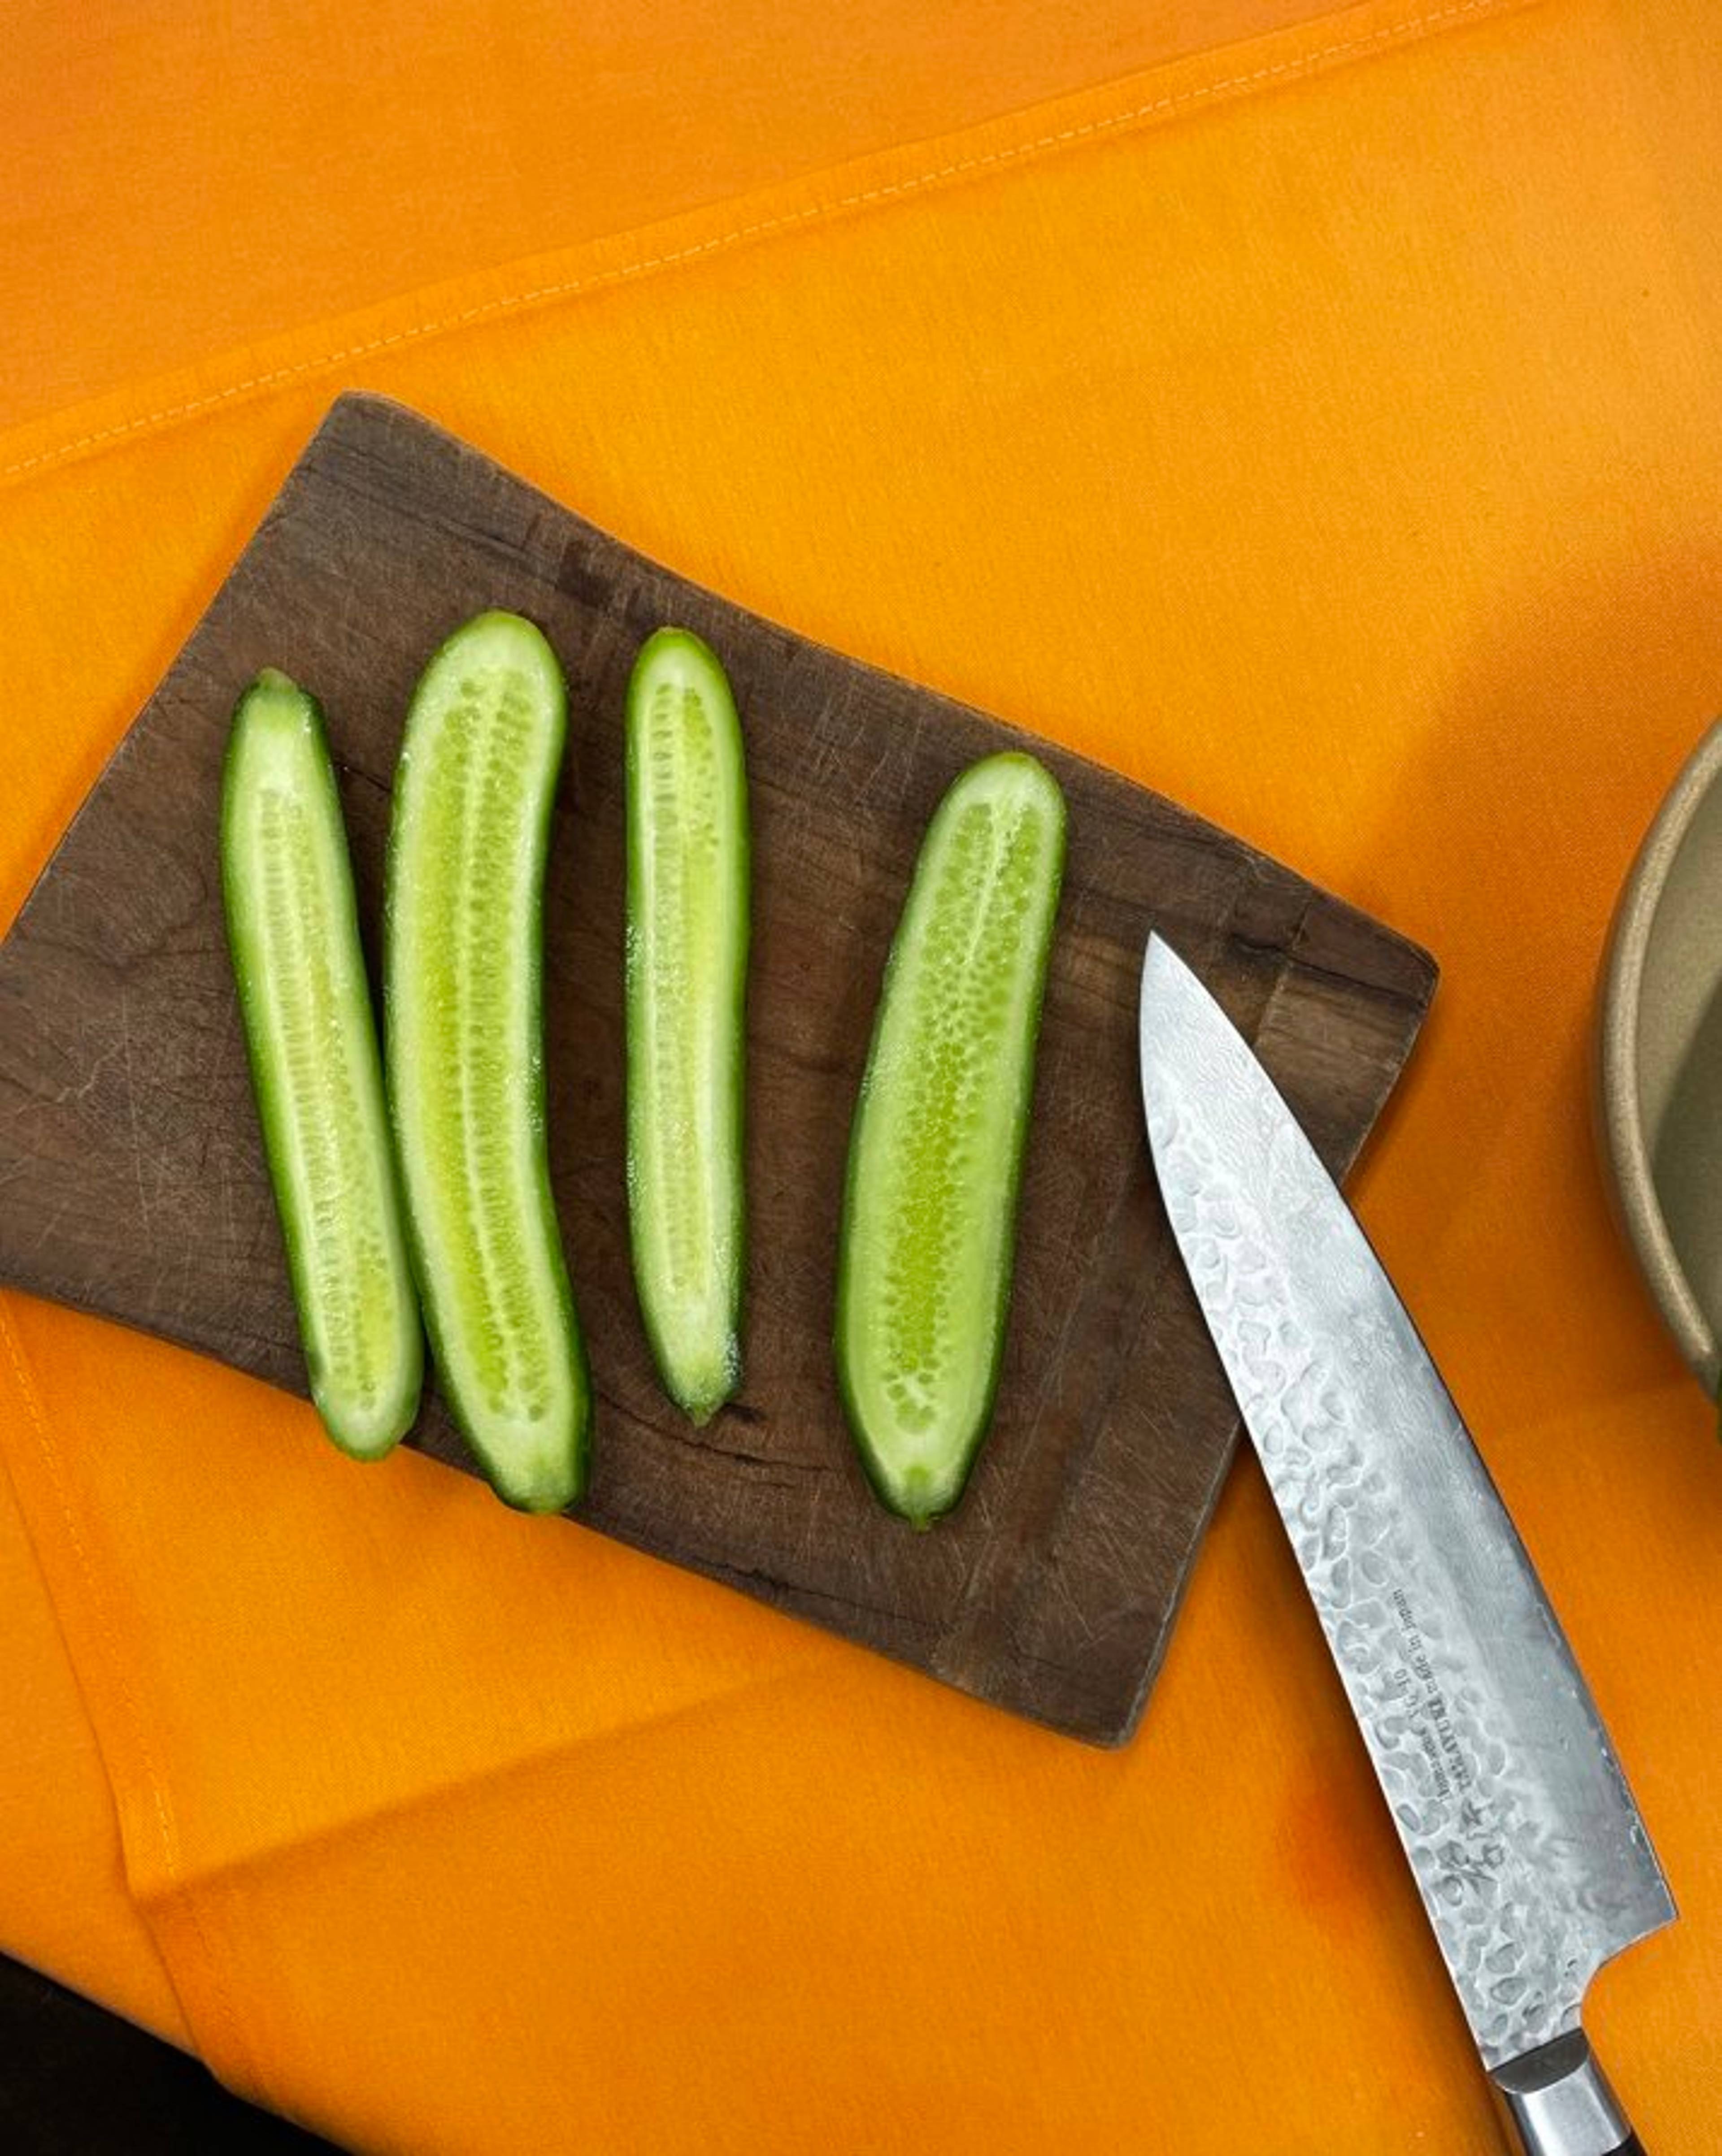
(1561, 2104)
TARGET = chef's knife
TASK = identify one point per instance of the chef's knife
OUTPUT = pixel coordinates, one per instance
(1532, 1860)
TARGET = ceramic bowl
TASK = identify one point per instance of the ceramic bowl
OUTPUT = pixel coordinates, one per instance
(1659, 1059)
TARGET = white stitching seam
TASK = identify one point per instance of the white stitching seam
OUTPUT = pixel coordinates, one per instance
(1174, 101)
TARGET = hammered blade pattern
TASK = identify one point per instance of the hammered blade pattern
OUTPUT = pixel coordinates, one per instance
(1532, 1860)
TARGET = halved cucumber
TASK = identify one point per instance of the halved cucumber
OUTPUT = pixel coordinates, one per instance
(463, 1000)
(686, 995)
(311, 1038)
(935, 1153)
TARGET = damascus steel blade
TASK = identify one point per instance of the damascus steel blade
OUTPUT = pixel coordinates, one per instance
(1533, 1862)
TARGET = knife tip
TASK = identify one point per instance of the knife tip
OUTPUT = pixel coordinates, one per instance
(1160, 964)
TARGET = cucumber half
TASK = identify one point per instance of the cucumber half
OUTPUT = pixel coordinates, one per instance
(311, 1038)
(463, 1002)
(935, 1154)
(686, 993)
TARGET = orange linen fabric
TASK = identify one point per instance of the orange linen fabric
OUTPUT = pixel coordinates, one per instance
(1326, 429)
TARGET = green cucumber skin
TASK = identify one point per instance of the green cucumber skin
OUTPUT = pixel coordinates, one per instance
(922, 1497)
(560, 1483)
(699, 1374)
(273, 701)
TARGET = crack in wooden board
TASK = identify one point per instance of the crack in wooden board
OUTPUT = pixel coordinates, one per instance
(131, 1177)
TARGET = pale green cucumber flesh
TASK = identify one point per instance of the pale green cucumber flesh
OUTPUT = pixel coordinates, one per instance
(936, 1148)
(312, 1039)
(463, 993)
(685, 993)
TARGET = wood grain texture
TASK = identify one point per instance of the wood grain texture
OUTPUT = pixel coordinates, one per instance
(131, 1175)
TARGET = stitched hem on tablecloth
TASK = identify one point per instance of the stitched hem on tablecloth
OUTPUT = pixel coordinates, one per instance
(1172, 90)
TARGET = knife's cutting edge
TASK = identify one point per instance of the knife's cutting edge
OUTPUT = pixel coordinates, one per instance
(1532, 1860)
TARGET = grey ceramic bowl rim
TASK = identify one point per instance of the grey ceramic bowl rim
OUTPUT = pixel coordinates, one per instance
(1625, 1145)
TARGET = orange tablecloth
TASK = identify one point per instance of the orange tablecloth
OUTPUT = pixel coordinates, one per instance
(1317, 416)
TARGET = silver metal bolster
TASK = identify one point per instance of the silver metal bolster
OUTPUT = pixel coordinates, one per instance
(1560, 2101)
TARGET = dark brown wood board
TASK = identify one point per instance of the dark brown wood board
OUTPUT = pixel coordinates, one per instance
(131, 1177)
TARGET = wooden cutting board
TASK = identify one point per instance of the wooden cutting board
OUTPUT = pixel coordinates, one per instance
(131, 1177)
